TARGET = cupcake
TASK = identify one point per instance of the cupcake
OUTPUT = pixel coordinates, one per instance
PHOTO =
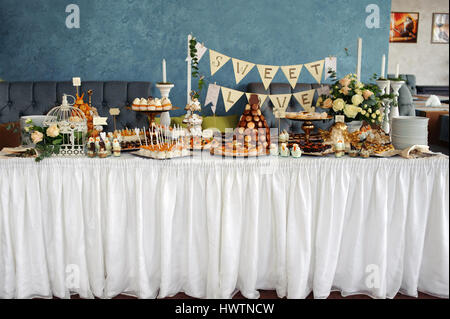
(158, 105)
(151, 104)
(144, 104)
(284, 150)
(296, 151)
(136, 104)
(284, 137)
(166, 104)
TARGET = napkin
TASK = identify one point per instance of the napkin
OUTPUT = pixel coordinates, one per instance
(433, 100)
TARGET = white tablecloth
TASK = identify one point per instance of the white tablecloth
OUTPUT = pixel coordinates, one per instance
(211, 227)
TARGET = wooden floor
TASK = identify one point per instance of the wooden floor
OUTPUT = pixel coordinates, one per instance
(271, 294)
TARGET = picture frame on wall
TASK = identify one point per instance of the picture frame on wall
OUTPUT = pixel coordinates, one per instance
(404, 27)
(439, 28)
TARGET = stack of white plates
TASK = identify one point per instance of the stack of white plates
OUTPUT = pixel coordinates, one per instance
(408, 131)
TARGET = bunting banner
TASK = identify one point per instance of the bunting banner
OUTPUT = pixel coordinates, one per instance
(330, 65)
(280, 101)
(305, 98)
(241, 69)
(316, 69)
(292, 72)
(262, 97)
(267, 73)
(230, 97)
(212, 96)
(217, 60)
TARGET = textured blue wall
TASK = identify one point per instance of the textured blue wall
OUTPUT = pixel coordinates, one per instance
(127, 39)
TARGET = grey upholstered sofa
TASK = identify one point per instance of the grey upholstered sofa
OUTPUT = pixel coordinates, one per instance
(31, 98)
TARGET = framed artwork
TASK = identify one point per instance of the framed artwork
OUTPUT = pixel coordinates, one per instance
(404, 27)
(439, 28)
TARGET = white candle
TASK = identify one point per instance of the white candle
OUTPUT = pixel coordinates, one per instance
(358, 65)
(397, 71)
(383, 65)
(164, 70)
(76, 81)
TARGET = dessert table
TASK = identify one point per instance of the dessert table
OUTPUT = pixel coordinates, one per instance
(209, 227)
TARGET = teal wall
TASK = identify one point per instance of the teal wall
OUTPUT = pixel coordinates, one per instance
(127, 39)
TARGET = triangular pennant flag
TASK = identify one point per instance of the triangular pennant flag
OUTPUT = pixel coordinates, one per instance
(217, 60)
(316, 69)
(330, 66)
(305, 98)
(241, 69)
(292, 72)
(212, 96)
(230, 97)
(267, 73)
(280, 101)
(201, 50)
(262, 97)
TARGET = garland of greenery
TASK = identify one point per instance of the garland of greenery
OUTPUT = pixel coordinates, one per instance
(195, 70)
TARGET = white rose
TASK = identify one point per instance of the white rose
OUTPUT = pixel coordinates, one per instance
(377, 112)
(338, 105)
(27, 128)
(37, 137)
(369, 110)
(363, 112)
(357, 99)
(29, 121)
(374, 115)
(351, 111)
(53, 131)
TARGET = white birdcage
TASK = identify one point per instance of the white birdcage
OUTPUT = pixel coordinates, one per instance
(72, 125)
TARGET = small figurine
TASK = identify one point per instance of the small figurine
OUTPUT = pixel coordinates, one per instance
(116, 147)
(284, 150)
(97, 144)
(102, 153)
(339, 149)
(108, 146)
(274, 150)
(91, 147)
(284, 137)
(296, 151)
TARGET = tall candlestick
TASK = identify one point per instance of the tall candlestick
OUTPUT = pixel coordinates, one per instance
(383, 65)
(397, 71)
(164, 70)
(358, 65)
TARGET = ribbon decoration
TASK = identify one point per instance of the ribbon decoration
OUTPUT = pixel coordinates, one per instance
(330, 65)
(212, 96)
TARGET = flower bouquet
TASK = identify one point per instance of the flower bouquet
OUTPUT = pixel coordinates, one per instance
(47, 140)
(353, 99)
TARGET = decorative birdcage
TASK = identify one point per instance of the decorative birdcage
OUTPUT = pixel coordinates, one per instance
(72, 125)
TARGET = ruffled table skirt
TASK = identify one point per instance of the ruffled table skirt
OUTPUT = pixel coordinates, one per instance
(210, 227)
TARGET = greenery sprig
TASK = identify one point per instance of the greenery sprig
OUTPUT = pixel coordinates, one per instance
(195, 69)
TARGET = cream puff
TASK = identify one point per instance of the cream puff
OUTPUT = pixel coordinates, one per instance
(166, 104)
(136, 104)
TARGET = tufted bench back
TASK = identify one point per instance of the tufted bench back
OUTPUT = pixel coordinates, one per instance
(294, 106)
(34, 98)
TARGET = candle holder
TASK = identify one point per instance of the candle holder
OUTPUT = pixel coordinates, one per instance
(396, 85)
(165, 88)
(386, 110)
(383, 85)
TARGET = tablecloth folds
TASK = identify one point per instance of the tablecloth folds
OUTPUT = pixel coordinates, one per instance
(209, 228)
